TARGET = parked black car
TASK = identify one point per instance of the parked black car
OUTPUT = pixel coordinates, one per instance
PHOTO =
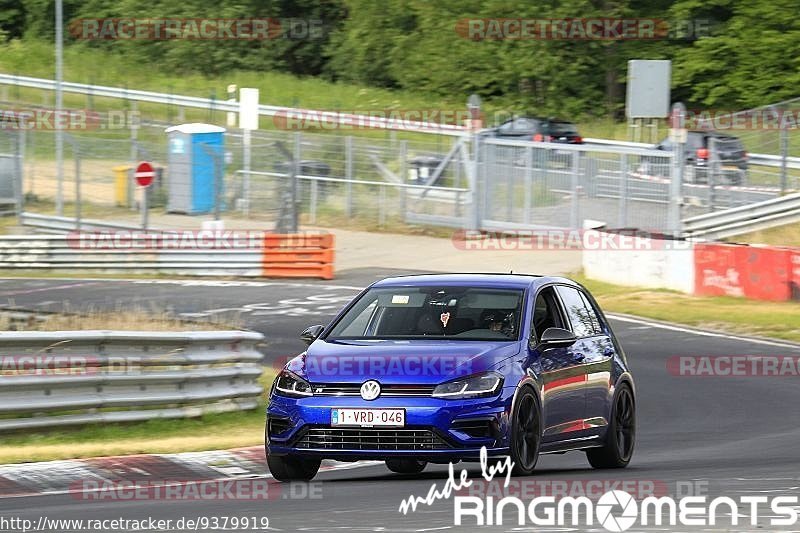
(698, 156)
(538, 129)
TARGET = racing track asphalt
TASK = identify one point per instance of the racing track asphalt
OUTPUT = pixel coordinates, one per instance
(736, 435)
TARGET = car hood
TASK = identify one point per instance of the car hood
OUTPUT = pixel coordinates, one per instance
(399, 362)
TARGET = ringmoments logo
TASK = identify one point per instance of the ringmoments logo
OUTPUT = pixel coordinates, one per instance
(618, 510)
(615, 510)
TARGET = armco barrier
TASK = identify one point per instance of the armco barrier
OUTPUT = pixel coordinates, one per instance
(757, 272)
(78, 377)
(269, 255)
(299, 255)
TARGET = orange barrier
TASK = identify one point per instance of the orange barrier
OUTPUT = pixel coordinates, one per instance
(298, 255)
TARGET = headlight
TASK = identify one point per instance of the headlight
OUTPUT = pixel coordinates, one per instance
(485, 384)
(290, 384)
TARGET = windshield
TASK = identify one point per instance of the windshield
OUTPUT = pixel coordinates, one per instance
(467, 313)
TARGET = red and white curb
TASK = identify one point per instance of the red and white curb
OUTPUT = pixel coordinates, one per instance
(73, 476)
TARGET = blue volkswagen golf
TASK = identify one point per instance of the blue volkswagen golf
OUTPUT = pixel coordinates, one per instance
(433, 368)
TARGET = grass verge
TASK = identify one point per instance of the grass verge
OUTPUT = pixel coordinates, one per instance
(780, 320)
(787, 235)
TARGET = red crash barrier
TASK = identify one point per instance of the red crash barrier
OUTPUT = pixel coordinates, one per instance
(794, 263)
(298, 256)
(757, 272)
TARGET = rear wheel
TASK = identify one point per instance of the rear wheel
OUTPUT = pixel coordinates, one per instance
(526, 433)
(621, 435)
(406, 466)
(288, 468)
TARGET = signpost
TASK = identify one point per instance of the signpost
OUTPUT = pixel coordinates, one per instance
(248, 121)
(677, 134)
(144, 178)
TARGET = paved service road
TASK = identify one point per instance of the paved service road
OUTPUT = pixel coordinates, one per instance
(732, 436)
(279, 309)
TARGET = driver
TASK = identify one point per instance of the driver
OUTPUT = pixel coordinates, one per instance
(500, 321)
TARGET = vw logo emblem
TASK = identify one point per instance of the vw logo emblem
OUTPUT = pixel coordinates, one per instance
(370, 390)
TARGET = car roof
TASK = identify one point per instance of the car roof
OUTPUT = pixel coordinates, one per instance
(511, 281)
(551, 120)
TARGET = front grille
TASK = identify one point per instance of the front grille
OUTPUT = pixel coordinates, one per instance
(371, 439)
(348, 389)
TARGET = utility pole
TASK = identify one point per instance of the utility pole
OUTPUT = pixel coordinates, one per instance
(59, 108)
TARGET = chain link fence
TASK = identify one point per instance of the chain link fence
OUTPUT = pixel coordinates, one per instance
(371, 180)
(11, 143)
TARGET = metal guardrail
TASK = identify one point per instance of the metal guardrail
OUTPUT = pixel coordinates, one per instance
(614, 142)
(764, 160)
(767, 160)
(59, 225)
(79, 252)
(745, 219)
(66, 378)
(327, 117)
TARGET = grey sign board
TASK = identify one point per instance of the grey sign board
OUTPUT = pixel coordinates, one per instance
(648, 88)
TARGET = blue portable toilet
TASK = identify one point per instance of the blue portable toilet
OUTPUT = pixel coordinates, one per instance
(195, 158)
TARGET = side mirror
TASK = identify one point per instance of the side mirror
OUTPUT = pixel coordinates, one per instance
(311, 333)
(557, 338)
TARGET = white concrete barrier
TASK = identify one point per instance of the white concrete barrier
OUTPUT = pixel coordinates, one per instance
(644, 262)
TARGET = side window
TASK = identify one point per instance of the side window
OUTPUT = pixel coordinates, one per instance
(358, 327)
(506, 126)
(593, 317)
(581, 318)
(545, 312)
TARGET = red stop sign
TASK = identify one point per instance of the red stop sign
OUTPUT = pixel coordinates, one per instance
(144, 174)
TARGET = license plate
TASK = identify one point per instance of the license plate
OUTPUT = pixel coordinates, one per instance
(730, 168)
(368, 417)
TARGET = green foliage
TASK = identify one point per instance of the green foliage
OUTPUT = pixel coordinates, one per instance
(752, 58)
(750, 55)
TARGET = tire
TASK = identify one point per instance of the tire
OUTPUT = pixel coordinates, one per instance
(617, 450)
(406, 466)
(288, 468)
(526, 433)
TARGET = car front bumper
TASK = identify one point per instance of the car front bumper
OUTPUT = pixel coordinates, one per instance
(435, 429)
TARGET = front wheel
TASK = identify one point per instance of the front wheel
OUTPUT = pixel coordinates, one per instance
(617, 450)
(526, 434)
(406, 466)
(288, 468)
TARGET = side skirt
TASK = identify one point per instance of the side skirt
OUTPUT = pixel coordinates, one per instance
(570, 445)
